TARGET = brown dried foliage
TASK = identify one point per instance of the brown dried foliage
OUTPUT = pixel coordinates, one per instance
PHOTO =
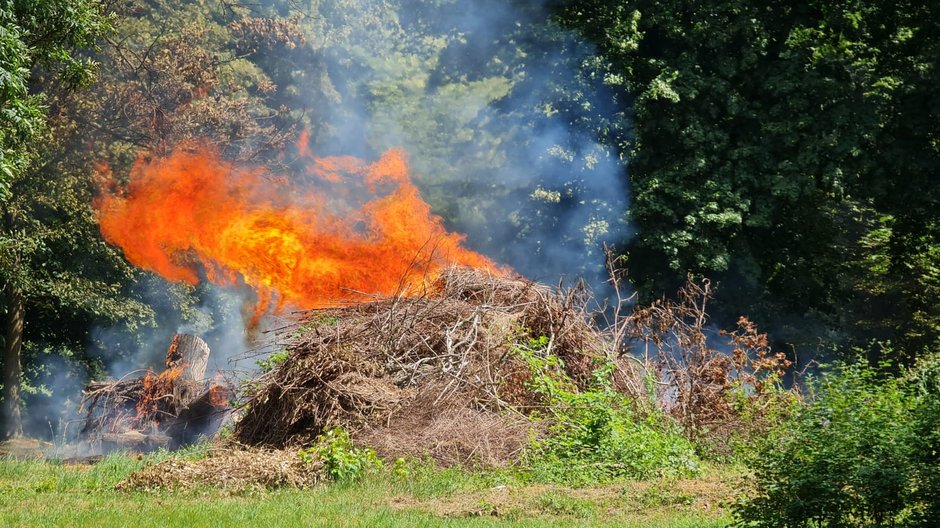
(453, 434)
(229, 468)
(713, 393)
(178, 83)
(110, 406)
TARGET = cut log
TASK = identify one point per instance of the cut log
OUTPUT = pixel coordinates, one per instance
(191, 353)
(202, 416)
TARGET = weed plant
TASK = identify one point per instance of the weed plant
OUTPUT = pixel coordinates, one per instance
(593, 435)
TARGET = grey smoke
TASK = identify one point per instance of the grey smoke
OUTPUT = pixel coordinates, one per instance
(508, 162)
(219, 316)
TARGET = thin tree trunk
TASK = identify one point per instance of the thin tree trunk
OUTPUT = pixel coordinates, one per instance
(12, 420)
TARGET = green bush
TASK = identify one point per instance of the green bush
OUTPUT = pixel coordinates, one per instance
(925, 388)
(342, 461)
(594, 435)
(861, 451)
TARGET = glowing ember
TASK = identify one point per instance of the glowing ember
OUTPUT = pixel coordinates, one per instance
(356, 228)
(157, 387)
(219, 396)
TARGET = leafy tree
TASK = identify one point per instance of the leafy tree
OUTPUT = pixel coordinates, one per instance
(59, 276)
(44, 33)
(177, 72)
(784, 147)
(170, 73)
(42, 36)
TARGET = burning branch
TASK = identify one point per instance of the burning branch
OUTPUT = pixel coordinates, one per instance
(156, 410)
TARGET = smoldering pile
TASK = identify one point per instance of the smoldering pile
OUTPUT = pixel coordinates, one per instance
(167, 409)
(437, 375)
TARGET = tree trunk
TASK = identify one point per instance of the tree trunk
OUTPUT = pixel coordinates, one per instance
(190, 353)
(12, 420)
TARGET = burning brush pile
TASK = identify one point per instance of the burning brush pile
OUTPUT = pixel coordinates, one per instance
(169, 409)
(411, 342)
(448, 375)
(435, 375)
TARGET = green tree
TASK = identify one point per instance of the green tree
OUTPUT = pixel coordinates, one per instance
(38, 40)
(771, 143)
(170, 73)
(43, 33)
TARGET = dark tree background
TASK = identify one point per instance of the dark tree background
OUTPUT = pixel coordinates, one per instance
(789, 149)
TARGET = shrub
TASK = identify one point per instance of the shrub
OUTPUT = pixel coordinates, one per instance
(341, 460)
(861, 451)
(594, 435)
(721, 395)
(925, 388)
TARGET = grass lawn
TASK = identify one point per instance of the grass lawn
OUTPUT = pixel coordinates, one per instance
(44, 493)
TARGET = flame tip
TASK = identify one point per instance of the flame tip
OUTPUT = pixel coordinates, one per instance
(362, 228)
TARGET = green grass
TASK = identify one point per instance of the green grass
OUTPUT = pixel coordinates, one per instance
(41, 493)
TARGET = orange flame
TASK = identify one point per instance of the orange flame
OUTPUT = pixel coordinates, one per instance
(219, 396)
(156, 388)
(355, 228)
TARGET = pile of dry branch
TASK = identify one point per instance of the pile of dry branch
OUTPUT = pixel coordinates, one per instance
(443, 375)
(434, 375)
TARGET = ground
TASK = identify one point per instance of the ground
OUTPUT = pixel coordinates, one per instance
(39, 492)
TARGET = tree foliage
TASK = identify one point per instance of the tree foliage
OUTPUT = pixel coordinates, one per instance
(483, 96)
(40, 44)
(789, 148)
(43, 33)
(170, 73)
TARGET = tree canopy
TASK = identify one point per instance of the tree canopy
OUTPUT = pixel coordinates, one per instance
(789, 148)
(45, 33)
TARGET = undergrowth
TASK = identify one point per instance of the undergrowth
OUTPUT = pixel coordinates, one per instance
(593, 434)
(342, 461)
(862, 451)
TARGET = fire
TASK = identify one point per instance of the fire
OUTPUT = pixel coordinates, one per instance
(352, 229)
(156, 387)
(219, 396)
